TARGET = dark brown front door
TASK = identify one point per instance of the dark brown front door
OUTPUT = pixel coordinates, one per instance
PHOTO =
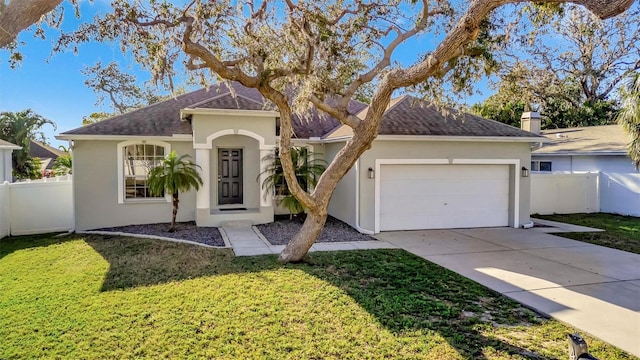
(229, 176)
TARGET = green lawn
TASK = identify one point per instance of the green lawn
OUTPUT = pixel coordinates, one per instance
(112, 297)
(622, 232)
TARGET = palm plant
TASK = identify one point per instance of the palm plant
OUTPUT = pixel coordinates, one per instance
(175, 174)
(629, 115)
(307, 169)
(19, 128)
(62, 165)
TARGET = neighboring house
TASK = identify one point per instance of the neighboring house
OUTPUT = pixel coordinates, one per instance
(6, 148)
(46, 154)
(600, 150)
(584, 149)
(423, 171)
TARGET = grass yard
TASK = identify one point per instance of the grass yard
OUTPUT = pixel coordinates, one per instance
(113, 297)
(622, 232)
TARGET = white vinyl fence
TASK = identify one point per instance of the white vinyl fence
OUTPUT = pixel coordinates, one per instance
(36, 207)
(567, 193)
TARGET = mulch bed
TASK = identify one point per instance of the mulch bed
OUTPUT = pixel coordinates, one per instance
(184, 231)
(282, 230)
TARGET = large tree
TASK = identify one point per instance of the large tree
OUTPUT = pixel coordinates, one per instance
(567, 64)
(307, 53)
(20, 128)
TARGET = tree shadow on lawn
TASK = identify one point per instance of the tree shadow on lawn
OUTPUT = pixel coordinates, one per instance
(403, 292)
(12, 244)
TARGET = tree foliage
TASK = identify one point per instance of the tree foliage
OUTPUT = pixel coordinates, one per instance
(63, 165)
(572, 66)
(174, 175)
(629, 116)
(19, 128)
(307, 168)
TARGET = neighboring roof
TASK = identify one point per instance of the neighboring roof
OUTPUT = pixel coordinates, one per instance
(7, 145)
(45, 153)
(40, 150)
(605, 139)
(410, 116)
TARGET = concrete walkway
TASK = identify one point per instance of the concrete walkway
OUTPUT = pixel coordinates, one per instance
(594, 288)
(246, 240)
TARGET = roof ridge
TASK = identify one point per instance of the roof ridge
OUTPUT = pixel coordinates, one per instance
(400, 99)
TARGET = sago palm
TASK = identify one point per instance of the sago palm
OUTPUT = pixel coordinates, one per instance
(629, 115)
(175, 174)
(307, 170)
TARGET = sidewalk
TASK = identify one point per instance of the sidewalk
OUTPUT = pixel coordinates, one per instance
(246, 240)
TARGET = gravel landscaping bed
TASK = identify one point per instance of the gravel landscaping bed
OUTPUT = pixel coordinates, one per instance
(184, 231)
(282, 230)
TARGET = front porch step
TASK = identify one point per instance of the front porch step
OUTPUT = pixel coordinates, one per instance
(237, 224)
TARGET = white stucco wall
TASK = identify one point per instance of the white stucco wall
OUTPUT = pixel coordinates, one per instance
(96, 189)
(343, 201)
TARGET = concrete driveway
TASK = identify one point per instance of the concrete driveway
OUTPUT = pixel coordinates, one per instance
(593, 288)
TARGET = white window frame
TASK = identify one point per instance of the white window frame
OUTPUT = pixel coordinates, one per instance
(120, 157)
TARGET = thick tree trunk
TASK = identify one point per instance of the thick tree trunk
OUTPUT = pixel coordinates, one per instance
(298, 247)
(18, 15)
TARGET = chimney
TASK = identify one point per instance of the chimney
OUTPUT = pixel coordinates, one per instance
(530, 121)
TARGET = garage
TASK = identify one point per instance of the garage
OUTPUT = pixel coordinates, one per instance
(442, 196)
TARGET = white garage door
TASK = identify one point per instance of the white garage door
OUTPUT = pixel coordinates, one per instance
(443, 196)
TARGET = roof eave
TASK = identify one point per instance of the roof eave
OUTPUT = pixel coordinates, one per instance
(580, 153)
(227, 112)
(466, 138)
(174, 137)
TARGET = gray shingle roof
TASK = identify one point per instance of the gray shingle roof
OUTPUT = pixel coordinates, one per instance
(163, 118)
(406, 116)
(40, 150)
(411, 116)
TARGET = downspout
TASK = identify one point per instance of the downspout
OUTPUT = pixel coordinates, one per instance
(361, 230)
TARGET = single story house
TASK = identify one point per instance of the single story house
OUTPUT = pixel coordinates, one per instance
(424, 171)
(584, 149)
(6, 165)
(46, 154)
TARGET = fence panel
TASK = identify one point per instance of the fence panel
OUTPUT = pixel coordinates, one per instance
(620, 193)
(41, 206)
(4, 209)
(564, 193)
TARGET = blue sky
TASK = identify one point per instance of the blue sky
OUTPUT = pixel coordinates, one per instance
(53, 86)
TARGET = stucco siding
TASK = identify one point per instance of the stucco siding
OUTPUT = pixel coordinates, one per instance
(206, 125)
(343, 205)
(95, 183)
(443, 150)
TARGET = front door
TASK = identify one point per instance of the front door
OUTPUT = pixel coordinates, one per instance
(229, 176)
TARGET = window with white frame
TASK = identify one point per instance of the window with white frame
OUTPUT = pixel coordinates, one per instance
(537, 165)
(138, 160)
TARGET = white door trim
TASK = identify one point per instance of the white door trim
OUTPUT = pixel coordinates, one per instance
(516, 177)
